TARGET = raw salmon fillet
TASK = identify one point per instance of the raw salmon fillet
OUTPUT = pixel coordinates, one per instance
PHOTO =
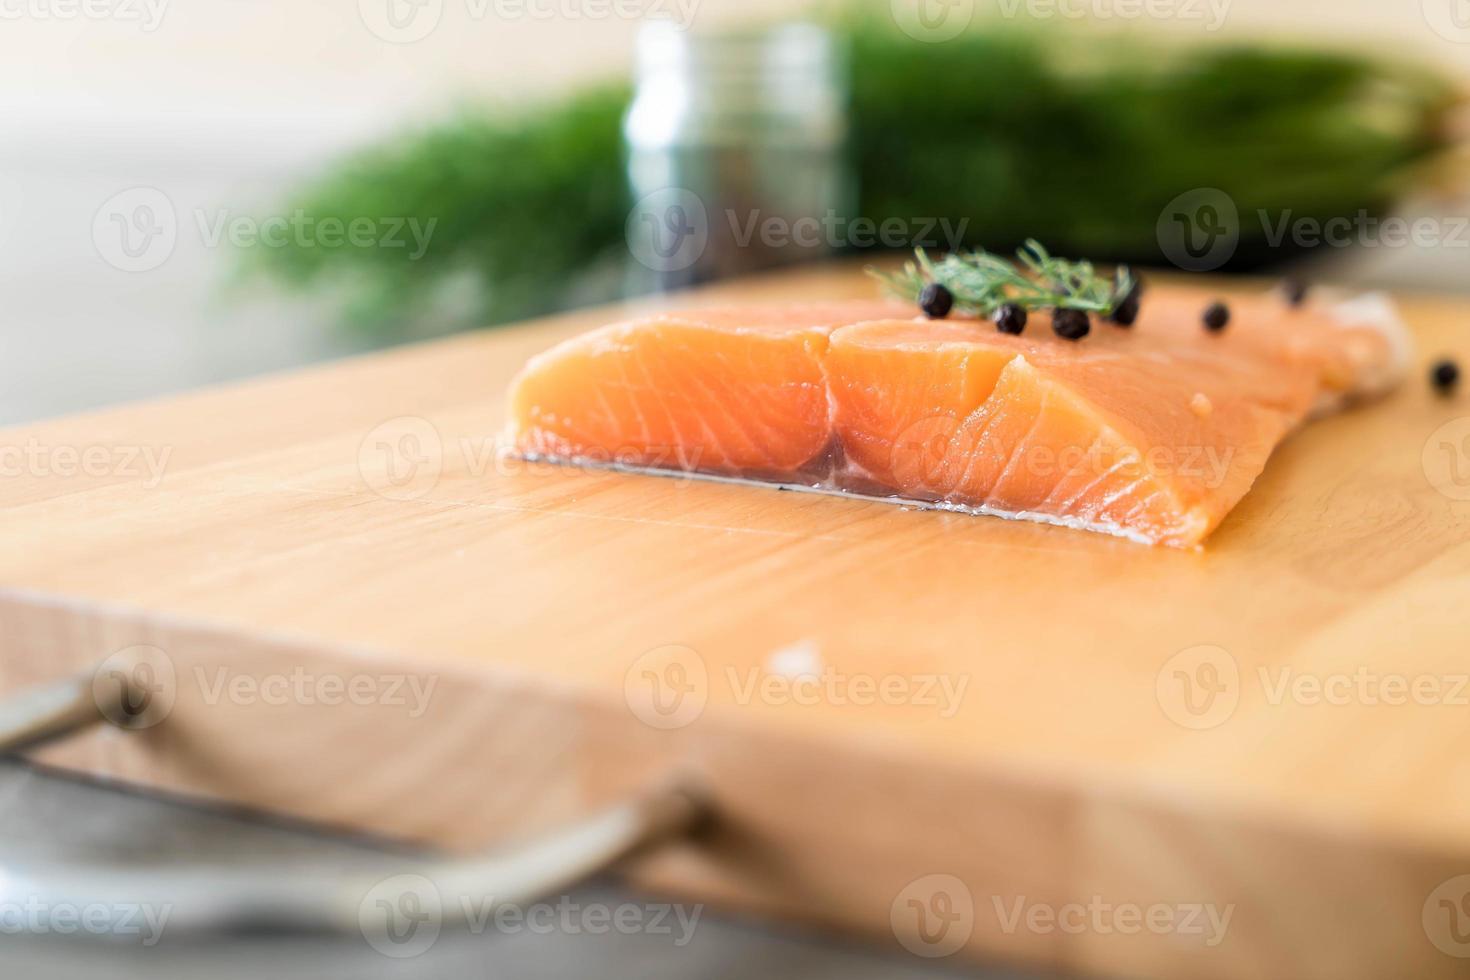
(1153, 433)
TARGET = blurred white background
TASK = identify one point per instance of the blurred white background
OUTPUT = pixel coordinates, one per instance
(222, 104)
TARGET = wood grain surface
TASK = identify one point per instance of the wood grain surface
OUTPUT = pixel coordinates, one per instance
(1001, 739)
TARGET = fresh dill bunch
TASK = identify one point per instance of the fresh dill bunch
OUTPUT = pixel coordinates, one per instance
(981, 283)
(530, 201)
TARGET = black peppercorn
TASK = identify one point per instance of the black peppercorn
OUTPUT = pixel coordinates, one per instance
(1295, 291)
(936, 301)
(1070, 324)
(1217, 317)
(1445, 376)
(1125, 314)
(1010, 318)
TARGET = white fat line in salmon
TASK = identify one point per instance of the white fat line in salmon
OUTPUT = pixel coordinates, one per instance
(905, 503)
(483, 456)
(1212, 12)
(837, 231)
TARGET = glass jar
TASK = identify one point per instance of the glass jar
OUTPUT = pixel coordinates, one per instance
(736, 152)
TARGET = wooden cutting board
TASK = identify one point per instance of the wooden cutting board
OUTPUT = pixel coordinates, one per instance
(1020, 742)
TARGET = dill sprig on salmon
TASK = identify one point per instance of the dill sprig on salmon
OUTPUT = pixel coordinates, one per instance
(978, 283)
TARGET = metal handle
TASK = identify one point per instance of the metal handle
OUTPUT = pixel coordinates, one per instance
(222, 899)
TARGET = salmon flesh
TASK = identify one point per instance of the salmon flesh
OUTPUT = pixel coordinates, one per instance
(1152, 432)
